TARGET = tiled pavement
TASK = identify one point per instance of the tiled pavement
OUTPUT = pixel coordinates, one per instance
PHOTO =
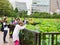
(9, 40)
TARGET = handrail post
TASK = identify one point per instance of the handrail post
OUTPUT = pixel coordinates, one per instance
(52, 41)
(36, 39)
(39, 38)
(56, 39)
(44, 37)
(49, 40)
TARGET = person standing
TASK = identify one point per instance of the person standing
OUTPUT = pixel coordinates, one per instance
(2, 27)
(5, 27)
(25, 21)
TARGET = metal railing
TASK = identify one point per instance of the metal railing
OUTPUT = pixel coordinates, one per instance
(32, 37)
(52, 37)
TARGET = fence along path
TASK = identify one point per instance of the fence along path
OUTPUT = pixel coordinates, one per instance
(40, 38)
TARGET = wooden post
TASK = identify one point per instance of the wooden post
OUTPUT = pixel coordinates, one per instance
(56, 39)
(52, 41)
(36, 39)
(39, 38)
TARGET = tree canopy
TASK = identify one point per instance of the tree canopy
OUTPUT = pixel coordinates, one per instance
(5, 7)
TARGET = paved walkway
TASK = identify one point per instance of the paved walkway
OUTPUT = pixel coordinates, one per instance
(10, 42)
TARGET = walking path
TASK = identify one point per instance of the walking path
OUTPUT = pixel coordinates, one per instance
(9, 40)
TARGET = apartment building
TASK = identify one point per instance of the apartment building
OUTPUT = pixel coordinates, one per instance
(39, 5)
(21, 6)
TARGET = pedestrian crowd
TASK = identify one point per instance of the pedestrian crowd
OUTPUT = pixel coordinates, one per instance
(19, 25)
(15, 25)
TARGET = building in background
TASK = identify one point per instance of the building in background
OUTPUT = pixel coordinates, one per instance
(24, 5)
(41, 5)
(21, 6)
(38, 5)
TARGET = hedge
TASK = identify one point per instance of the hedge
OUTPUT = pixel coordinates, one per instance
(40, 15)
(23, 14)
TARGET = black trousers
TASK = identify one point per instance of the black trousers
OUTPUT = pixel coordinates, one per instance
(5, 34)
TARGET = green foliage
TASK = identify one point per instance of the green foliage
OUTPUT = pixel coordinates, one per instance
(23, 14)
(5, 7)
(45, 15)
(16, 10)
(45, 25)
(39, 15)
(28, 38)
(13, 14)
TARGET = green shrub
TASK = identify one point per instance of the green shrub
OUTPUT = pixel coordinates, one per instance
(13, 14)
(39, 15)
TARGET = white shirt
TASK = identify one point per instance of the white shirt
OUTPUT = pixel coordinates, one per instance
(5, 28)
(16, 32)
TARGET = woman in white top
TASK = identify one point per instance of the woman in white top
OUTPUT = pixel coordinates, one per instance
(16, 32)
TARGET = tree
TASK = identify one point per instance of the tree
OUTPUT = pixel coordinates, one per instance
(5, 7)
(16, 10)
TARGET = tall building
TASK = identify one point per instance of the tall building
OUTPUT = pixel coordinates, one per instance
(21, 6)
(41, 5)
(38, 5)
(24, 5)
